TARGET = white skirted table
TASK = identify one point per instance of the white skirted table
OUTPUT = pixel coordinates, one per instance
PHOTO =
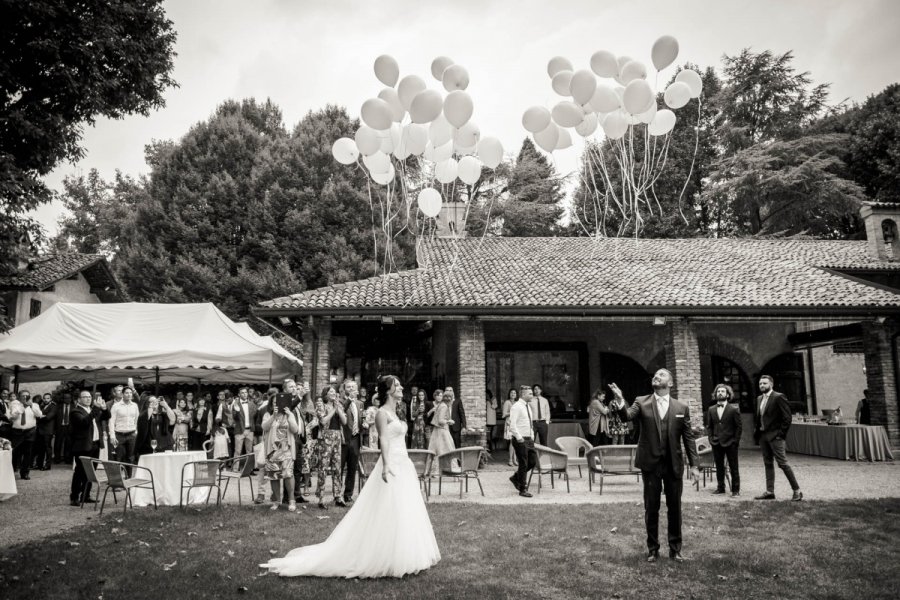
(857, 442)
(7, 476)
(166, 468)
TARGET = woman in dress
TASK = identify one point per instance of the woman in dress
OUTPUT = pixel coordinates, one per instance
(279, 429)
(490, 407)
(154, 424)
(182, 423)
(441, 440)
(332, 418)
(201, 423)
(507, 406)
(617, 429)
(387, 532)
(418, 411)
(598, 418)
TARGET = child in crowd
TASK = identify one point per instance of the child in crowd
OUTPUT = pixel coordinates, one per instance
(220, 442)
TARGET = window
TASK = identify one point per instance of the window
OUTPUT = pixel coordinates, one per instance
(35, 309)
(848, 348)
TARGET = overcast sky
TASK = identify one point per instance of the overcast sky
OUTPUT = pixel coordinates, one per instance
(305, 54)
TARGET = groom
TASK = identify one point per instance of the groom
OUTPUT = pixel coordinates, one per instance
(665, 423)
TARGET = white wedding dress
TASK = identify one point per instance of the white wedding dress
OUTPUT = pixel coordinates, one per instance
(386, 533)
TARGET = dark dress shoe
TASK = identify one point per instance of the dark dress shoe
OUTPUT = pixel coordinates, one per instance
(300, 500)
(525, 494)
(513, 481)
(90, 501)
(348, 501)
(653, 556)
(735, 494)
(676, 556)
(718, 492)
(340, 502)
(25, 477)
(74, 503)
(765, 496)
(797, 497)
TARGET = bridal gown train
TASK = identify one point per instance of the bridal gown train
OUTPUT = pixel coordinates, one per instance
(386, 533)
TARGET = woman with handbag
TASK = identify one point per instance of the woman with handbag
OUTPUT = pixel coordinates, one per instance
(279, 430)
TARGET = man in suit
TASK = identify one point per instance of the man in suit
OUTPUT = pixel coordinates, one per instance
(772, 419)
(46, 427)
(665, 424)
(244, 419)
(458, 416)
(86, 440)
(540, 412)
(62, 450)
(351, 443)
(723, 421)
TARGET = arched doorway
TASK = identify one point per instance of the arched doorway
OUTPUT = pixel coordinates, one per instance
(789, 373)
(728, 371)
(625, 372)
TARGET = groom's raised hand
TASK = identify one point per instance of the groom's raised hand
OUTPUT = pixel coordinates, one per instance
(617, 393)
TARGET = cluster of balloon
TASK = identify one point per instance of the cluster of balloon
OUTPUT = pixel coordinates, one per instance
(613, 100)
(409, 120)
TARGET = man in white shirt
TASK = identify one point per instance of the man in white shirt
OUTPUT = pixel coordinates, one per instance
(351, 442)
(244, 416)
(521, 430)
(540, 412)
(123, 426)
(23, 414)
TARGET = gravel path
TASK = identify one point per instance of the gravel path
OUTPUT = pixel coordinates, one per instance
(42, 508)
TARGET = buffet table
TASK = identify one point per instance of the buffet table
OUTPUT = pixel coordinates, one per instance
(866, 442)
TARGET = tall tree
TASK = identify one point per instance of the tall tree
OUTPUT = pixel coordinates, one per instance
(534, 206)
(62, 65)
(873, 155)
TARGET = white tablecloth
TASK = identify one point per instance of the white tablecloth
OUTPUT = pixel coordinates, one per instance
(7, 476)
(166, 469)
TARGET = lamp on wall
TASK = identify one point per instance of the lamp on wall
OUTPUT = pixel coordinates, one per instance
(659, 321)
(387, 320)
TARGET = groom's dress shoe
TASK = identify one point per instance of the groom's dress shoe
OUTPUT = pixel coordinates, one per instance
(653, 556)
(765, 496)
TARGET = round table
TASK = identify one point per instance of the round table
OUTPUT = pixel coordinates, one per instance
(7, 476)
(166, 468)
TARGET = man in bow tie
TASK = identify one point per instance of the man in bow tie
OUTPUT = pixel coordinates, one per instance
(723, 421)
(665, 424)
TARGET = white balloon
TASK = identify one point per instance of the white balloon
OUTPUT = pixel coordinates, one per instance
(428, 154)
(603, 63)
(426, 106)
(469, 170)
(664, 52)
(377, 163)
(458, 108)
(376, 113)
(407, 89)
(344, 151)
(440, 131)
(367, 140)
(605, 99)
(693, 81)
(387, 142)
(647, 116)
(615, 125)
(455, 77)
(567, 114)
(565, 139)
(439, 65)
(583, 85)
(383, 178)
(390, 96)
(535, 119)
(387, 70)
(396, 134)
(547, 137)
(467, 136)
(446, 171)
(634, 69)
(443, 152)
(588, 126)
(621, 62)
(677, 94)
(561, 83)
(490, 151)
(430, 202)
(414, 138)
(637, 97)
(465, 150)
(662, 123)
(557, 64)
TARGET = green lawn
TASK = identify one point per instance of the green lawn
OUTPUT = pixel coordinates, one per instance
(737, 550)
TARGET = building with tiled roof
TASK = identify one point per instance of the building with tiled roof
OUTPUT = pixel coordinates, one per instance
(574, 314)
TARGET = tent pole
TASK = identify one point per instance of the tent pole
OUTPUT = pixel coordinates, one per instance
(270, 378)
(16, 376)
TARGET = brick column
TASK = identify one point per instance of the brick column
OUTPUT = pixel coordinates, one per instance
(472, 383)
(683, 360)
(881, 379)
(317, 368)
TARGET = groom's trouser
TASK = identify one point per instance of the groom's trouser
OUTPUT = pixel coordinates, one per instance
(349, 465)
(527, 457)
(662, 478)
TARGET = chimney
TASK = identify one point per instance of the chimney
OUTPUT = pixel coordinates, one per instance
(881, 219)
(451, 221)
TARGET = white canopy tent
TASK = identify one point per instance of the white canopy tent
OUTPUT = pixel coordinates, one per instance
(105, 343)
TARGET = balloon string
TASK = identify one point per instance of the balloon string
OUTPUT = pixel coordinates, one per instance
(693, 158)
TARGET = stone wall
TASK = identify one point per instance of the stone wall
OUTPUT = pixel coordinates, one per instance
(683, 360)
(472, 382)
(878, 339)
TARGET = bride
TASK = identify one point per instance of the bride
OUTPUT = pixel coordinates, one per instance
(387, 532)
